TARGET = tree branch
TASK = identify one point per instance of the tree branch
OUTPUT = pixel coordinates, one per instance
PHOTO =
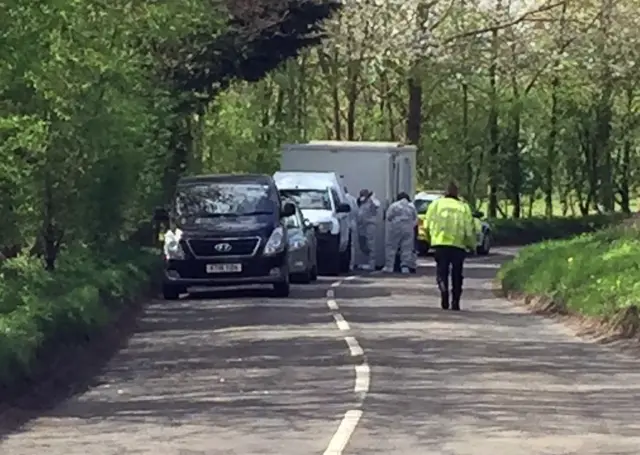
(561, 49)
(522, 18)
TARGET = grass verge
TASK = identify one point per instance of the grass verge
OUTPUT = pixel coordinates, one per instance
(595, 276)
(43, 314)
(523, 231)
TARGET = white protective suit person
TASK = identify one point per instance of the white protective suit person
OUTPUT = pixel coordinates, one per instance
(400, 233)
(353, 226)
(367, 220)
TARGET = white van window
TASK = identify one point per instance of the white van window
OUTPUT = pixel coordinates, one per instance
(336, 197)
(309, 199)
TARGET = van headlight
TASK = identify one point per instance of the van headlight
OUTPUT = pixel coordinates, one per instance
(276, 242)
(172, 248)
(324, 227)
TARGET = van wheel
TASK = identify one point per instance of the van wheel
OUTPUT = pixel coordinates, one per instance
(345, 258)
(282, 289)
(170, 292)
(334, 264)
(301, 278)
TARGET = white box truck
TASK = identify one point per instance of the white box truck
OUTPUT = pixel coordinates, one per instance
(386, 168)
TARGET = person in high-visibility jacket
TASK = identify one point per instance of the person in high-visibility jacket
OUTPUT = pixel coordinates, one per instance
(451, 233)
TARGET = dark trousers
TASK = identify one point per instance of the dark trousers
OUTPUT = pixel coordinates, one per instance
(449, 261)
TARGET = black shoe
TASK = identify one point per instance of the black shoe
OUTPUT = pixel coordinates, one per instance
(455, 305)
(444, 301)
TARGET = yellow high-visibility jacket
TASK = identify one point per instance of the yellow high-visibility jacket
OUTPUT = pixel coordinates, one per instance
(449, 222)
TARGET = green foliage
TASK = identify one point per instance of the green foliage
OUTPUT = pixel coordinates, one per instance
(38, 309)
(538, 111)
(96, 107)
(522, 231)
(595, 274)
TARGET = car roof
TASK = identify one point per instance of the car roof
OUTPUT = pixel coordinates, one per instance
(427, 196)
(259, 179)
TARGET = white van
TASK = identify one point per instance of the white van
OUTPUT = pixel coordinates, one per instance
(386, 168)
(323, 203)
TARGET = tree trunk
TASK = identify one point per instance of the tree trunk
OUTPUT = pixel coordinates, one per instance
(494, 134)
(180, 145)
(352, 99)
(551, 148)
(414, 117)
(624, 185)
(469, 175)
(604, 114)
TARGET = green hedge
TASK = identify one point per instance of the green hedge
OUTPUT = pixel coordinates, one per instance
(523, 231)
(594, 274)
(85, 293)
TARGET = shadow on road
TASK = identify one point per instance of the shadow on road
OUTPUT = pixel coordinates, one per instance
(483, 373)
(428, 313)
(304, 291)
(225, 379)
(499, 385)
(229, 356)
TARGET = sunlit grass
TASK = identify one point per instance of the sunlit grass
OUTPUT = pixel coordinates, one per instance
(595, 274)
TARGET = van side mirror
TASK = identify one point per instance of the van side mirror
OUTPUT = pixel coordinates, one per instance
(161, 215)
(343, 208)
(288, 209)
(478, 214)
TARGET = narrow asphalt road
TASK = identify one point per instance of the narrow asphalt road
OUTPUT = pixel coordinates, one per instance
(234, 372)
(491, 379)
(368, 365)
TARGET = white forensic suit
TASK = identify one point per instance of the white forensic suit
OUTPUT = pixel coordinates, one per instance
(400, 235)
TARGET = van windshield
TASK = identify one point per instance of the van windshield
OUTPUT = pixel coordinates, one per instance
(309, 199)
(220, 199)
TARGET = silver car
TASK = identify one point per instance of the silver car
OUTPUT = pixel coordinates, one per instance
(303, 263)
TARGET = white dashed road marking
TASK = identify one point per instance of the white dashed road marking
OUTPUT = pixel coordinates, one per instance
(351, 418)
(332, 304)
(343, 434)
(362, 379)
(341, 322)
(354, 346)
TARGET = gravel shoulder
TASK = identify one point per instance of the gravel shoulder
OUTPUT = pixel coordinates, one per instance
(490, 379)
(225, 373)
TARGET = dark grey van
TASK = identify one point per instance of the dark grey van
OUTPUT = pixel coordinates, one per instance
(226, 230)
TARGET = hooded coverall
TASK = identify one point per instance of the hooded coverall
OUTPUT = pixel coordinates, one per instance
(353, 227)
(451, 231)
(367, 228)
(401, 222)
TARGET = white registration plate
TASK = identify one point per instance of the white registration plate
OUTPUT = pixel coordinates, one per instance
(224, 268)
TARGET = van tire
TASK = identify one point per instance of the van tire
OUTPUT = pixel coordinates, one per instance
(334, 264)
(329, 257)
(301, 278)
(345, 258)
(282, 289)
(170, 292)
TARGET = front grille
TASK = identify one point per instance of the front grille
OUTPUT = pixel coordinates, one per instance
(239, 247)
